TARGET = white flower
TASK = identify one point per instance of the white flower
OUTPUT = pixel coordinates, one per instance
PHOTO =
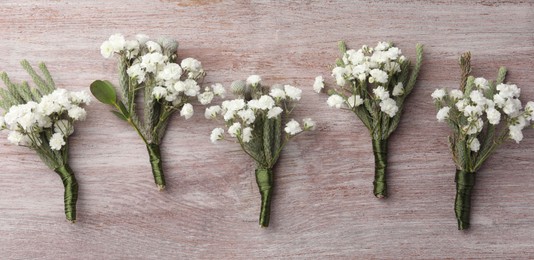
(151, 62)
(246, 136)
(512, 106)
(211, 112)
(191, 87)
(481, 83)
(443, 114)
(398, 89)
(474, 145)
(318, 84)
(293, 127)
(206, 97)
(171, 72)
(456, 94)
(117, 42)
(499, 100)
(233, 105)
(218, 89)
(393, 53)
(354, 101)
(516, 133)
(335, 101)
(136, 72)
(494, 116)
(63, 127)
(264, 102)
(529, 110)
(132, 48)
(438, 94)
(142, 38)
(17, 138)
(381, 93)
(339, 74)
(308, 123)
(106, 49)
(153, 46)
(474, 111)
(187, 111)
(57, 141)
(477, 97)
(389, 106)
(292, 92)
(378, 76)
(461, 104)
(277, 93)
(216, 134)
(274, 112)
(508, 91)
(77, 113)
(159, 92)
(234, 129)
(381, 46)
(247, 116)
(253, 80)
(475, 126)
(80, 97)
(191, 64)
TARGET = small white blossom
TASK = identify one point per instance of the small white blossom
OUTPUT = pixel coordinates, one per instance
(80, 97)
(293, 127)
(187, 111)
(494, 116)
(481, 83)
(246, 136)
(529, 110)
(234, 129)
(253, 80)
(508, 91)
(389, 106)
(63, 127)
(211, 112)
(308, 123)
(339, 74)
(477, 97)
(77, 113)
(191, 65)
(456, 94)
(398, 90)
(474, 145)
(153, 46)
(274, 112)
(292, 92)
(381, 93)
(378, 75)
(512, 106)
(106, 49)
(443, 114)
(318, 84)
(216, 135)
(18, 138)
(159, 92)
(142, 38)
(191, 87)
(438, 94)
(117, 42)
(277, 93)
(516, 133)
(354, 101)
(206, 97)
(335, 101)
(247, 116)
(265, 102)
(57, 141)
(218, 89)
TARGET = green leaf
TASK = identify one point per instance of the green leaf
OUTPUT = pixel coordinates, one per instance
(104, 92)
(123, 110)
(119, 115)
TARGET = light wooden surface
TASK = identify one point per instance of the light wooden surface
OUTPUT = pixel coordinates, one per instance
(323, 204)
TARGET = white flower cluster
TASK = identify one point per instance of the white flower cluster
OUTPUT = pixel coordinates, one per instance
(472, 109)
(55, 113)
(174, 82)
(240, 115)
(368, 65)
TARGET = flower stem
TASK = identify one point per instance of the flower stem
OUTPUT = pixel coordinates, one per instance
(154, 153)
(71, 191)
(465, 181)
(380, 152)
(264, 179)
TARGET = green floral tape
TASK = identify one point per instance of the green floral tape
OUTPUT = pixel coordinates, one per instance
(155, 161)
(465, 181)
(265, 181)
(71, 191)
(380, 152)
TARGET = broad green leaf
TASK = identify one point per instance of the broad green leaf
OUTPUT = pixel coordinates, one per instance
(104, 91)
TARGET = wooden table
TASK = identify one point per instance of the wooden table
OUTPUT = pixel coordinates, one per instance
(323, 203)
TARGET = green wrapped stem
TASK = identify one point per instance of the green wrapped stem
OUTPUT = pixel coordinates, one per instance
(154, 154)
(380, 152)
(71, 191)
(465, 181)
(264, 179)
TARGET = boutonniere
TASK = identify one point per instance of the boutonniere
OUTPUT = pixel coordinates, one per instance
(482, 114)
(150, 71)
(42, 119)
(258, 120)
(373, 83)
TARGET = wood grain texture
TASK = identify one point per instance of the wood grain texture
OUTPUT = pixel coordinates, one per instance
(323, 204)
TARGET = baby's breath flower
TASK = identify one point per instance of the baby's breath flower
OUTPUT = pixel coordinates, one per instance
(335, 101)
(187, 111)
(293, 127)
(216, 135)
(318, 85)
